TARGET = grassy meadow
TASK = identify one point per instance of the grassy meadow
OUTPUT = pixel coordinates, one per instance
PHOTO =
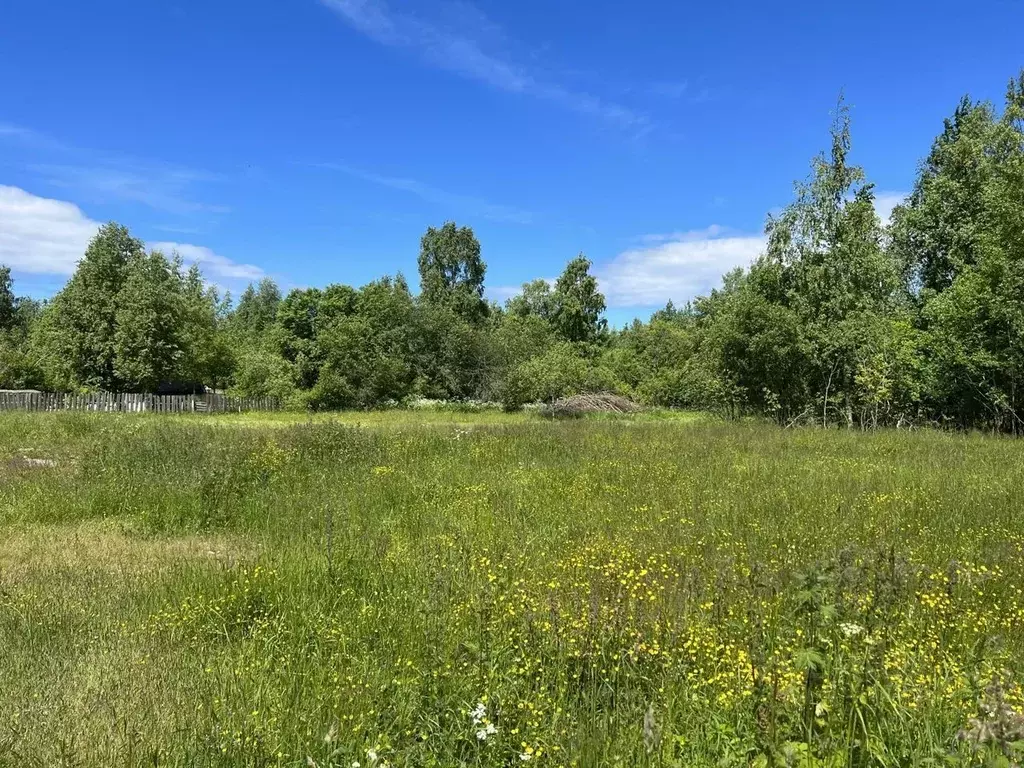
(452, 589)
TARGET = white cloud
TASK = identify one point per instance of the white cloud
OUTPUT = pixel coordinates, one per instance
(95, 176)
(885, 202)
(213, 265)
(454, 202)
(459, 44)
(702, 234)
(40, 235)
(676, 267)
(157, 186)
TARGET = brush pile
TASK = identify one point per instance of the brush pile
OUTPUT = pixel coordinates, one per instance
(597, 402)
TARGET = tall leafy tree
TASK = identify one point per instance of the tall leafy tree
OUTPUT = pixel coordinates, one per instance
(368, 353)
(296, 334)
(825, 264)
(535, 299)
(77, 332)
(453, 357)
(8, 302)
(208, 354)
(131, 321)
(452, 271)
(257, 308)
(973, 286)
(758, 344)
(148, 346)
(939, 230)
(19, 364)
(579, 305)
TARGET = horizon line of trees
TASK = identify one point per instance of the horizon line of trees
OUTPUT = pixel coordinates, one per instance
(842, 319)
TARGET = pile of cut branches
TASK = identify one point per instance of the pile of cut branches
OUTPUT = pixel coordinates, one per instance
(596, 402)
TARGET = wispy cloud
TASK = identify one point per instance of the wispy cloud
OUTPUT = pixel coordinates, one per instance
(178, 230)
(679, 266)
(701, 234)
(463, 43)
(680, 90)
(451, 201)
(43, 236)
(30, 138)
(98, 177)
(669, 89)
(161, 187)
(16, 131)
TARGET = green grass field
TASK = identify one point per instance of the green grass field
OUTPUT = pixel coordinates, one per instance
(451, 589)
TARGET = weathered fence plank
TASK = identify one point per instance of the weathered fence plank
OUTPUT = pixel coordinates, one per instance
(127, 402)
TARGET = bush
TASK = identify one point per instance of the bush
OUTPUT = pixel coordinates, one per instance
(264, 374)
(560, 371)
(330, 393)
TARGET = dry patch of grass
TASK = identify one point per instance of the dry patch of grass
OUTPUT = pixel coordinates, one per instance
(74, 600)
(106, 547)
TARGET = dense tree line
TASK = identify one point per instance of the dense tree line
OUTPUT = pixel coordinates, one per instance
(842, 319)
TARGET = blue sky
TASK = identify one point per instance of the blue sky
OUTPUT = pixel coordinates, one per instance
(315, 140)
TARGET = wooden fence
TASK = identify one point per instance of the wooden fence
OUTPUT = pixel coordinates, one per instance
(109, 402)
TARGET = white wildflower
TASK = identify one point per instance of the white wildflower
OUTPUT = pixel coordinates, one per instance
(850, 629)
(479, 713)
(524, 756)
(371, 755)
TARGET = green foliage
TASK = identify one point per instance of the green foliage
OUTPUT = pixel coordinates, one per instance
(560, 371)
(19, 365)
(535, 300)
(295, 335)
(261, 373)
(19, 359)
(77, 330)
(669, 362)
(563, 369)
(128, 321)
(257, 309)
(938, 231)
(332, 392)
(452, 355)
(817, 291)
(452, 272)
(578, 304)
(960, 234)
(147, 347)
(841, 320)
(367, 351)
(8, 301)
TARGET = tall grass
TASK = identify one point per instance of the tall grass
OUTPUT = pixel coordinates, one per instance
(486, 590)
